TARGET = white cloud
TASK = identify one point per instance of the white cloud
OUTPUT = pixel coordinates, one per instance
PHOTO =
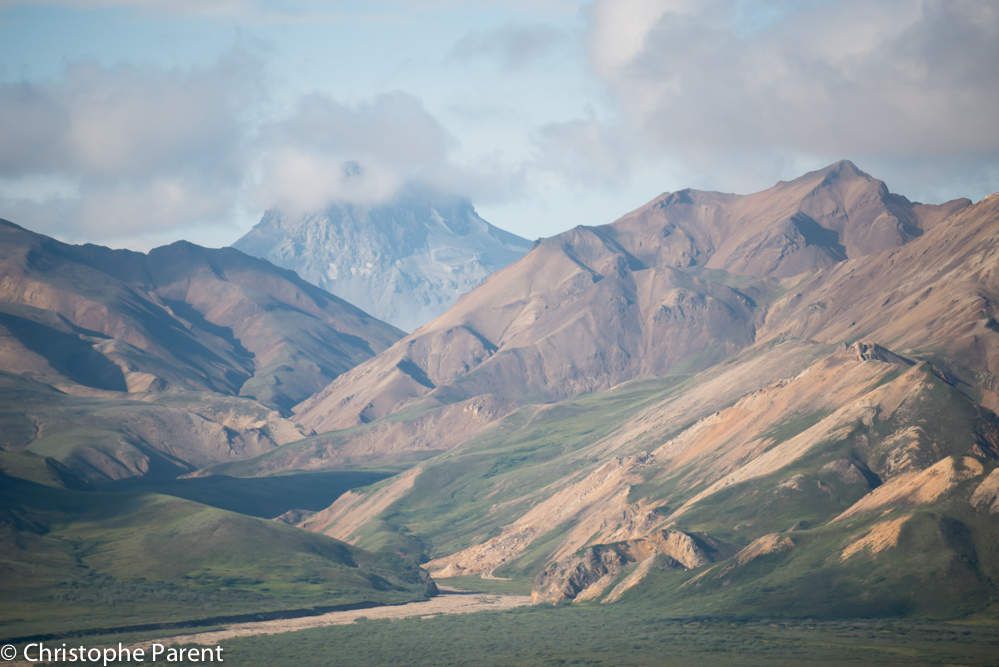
(327, 150)
(390, 127)
(737, 88)
(297, 180)
(133, 149)
(125, 120)
(619, 28)
(33, 128)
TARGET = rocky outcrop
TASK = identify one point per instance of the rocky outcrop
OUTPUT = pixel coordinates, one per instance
(294, 517)
(867, 351)
(772, 543)
(597, 505)
(985, 497)
(587, 573)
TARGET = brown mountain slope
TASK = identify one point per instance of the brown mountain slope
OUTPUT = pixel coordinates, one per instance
(812, 222)
(937, 297)
(675, 286)
(105, 435)
(180, 317)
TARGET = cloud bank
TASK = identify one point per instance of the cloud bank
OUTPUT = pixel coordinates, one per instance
(718, 84)
(726, 94)
(326, 150)
(129, 154)
(138, 148)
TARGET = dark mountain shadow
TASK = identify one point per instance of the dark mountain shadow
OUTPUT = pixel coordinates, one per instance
(265, 497)
(243, 356)
(66, 353)
(817, 235)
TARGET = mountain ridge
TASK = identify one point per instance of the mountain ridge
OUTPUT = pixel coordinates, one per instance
(661, 281)
(159, 287)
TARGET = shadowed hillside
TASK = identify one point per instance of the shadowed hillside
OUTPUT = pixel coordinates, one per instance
(125, 364)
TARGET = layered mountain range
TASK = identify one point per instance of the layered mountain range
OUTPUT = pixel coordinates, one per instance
(405, 261)
(775, 404)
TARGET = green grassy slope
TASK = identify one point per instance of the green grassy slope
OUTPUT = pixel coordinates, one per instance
(107, 436)
(466, 495)
(72, 560)
(314, 449)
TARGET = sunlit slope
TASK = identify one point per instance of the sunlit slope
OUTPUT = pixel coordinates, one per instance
(817, 457)
(840, 468)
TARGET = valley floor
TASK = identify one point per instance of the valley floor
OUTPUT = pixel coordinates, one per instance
(488, 628)
(621, 634)
(449, 602)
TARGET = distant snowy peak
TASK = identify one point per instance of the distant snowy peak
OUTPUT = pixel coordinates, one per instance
(405, 261)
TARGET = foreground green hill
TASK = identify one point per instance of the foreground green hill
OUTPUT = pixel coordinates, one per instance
(73, 560)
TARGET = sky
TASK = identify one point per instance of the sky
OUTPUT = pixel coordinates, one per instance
(137, 123)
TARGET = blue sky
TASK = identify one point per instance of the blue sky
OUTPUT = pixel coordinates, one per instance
(136, 123)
